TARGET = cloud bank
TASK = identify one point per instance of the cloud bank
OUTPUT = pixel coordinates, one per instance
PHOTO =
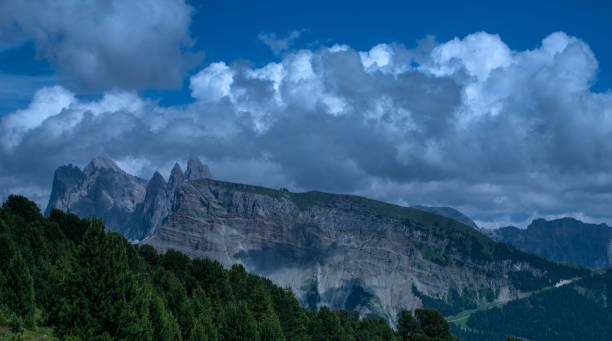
(107, 44)
(503, 135)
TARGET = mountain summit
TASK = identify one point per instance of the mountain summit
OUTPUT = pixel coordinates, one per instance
(197, 170)
(343, 251)
(128, 204)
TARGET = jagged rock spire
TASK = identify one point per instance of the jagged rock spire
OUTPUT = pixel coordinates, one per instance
(65, 179)
(176, 177)
(197, 170)
(101, 162)
(157, 181)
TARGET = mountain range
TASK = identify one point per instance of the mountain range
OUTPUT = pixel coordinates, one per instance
(342, 251)
(565, 240)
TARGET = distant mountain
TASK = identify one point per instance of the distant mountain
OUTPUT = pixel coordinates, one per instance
(343, 251)
(565, 240)
(448, 212)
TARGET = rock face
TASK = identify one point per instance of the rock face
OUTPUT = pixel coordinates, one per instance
(448, 212)
(101, 189)
(197, 170)
(565, 240)
(349, 252)
(342, 251)
(129, 205)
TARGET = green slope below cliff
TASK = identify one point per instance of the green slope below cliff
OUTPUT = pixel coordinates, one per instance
(70, 276)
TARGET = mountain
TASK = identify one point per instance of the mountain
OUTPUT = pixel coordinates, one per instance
(129, 205)
(448, 212)
(580, 310)
(64, 278)
(565, 240)
(342, 251)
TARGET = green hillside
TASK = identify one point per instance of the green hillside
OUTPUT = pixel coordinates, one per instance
(577, 311)
(66, 276)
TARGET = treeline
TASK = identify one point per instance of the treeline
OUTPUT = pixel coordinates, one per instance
(577, 311)
(69, 274)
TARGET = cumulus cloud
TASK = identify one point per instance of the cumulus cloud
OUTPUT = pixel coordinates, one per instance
(277, 44)
(503, 135)
(101, 44)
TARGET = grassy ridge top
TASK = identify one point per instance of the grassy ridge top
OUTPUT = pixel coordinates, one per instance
(358, 205)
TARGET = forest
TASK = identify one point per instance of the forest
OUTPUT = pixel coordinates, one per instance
(577, 311)
(68, 279)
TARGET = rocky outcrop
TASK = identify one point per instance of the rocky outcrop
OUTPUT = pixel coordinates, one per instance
(65, 180)
(448, 212)
(565, 240)
(127, 204)
(197, 170)
(155, 208)
(101, 189)
(342, 251)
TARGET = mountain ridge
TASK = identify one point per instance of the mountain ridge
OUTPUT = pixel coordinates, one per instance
(566, 240)
(448, 212)
(343, 251)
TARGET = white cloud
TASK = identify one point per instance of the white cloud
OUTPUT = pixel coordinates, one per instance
(212, 83)
(277, 44)
(470, 123)
(479, 54)
(47, 102)
(100, 43)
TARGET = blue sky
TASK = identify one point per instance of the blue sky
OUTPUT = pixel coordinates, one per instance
(503, 111)
(227, 30)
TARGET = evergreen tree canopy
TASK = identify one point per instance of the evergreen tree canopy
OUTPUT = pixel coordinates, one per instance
(87, 284)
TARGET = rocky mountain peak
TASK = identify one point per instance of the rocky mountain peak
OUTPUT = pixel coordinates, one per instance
(128, 204)
(100, 163)
(65, 179)
(197, 170)
(157, 178)
(565, 240)
(176, 176)
(156, 183)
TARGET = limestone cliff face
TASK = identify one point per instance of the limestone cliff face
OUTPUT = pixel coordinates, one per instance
(342, 251)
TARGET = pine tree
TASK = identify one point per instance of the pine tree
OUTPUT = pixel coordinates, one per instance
(268, 323)
(433, 324)
(204, 329)
(270, 329)
(164, 324)
(238, 323)
(294, 319)
(407, 326)
(16, 284)
(327, 327)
